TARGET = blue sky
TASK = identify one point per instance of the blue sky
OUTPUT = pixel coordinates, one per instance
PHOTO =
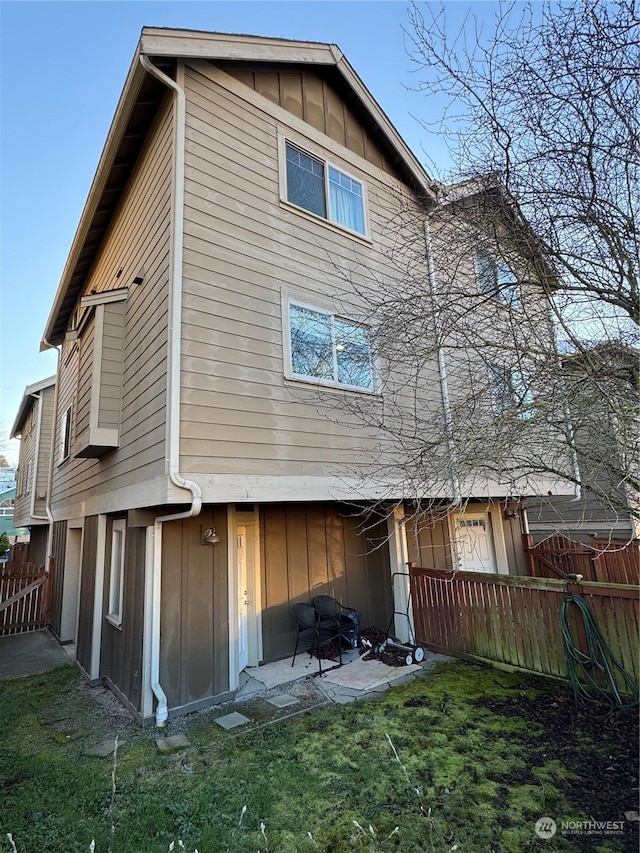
(62, 68)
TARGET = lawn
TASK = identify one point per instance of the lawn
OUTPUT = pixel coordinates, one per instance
(465, 759)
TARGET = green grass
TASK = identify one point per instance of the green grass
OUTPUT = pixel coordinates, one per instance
(327, 781)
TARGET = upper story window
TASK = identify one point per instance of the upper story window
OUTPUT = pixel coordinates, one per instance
(498, 280)
(316, 186)
(510, 392)
(65, 435)
(328, 349)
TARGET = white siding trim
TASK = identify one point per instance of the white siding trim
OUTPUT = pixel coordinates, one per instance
(94, 671)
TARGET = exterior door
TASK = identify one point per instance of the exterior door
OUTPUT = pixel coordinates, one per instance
(243, 602)
(474, 543)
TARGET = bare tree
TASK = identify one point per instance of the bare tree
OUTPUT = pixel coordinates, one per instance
(526, 318)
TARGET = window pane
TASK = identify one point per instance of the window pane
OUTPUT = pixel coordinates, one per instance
(305, 182)
(486, 274)
(501, 389)
(507, 285)
(353, 353)
(311, 343)
(117, 562)
(345, 201)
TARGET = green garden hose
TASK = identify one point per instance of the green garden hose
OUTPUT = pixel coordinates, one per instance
(597, 675)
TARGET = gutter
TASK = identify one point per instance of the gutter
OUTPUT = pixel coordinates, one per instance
(152, 625)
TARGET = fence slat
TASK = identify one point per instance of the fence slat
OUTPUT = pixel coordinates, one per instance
(514, 621)
(24, 598)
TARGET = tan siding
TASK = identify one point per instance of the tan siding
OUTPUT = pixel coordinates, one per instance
(316, 549)
(22, 506)
(44, 452)
(239, 414)
(111, 366)
(138, 239)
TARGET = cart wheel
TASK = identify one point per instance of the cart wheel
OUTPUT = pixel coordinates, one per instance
(408, 659)
(418, 654)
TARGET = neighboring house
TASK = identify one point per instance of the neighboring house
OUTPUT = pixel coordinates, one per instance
(602, 387)
(207, 312)
(34, 426)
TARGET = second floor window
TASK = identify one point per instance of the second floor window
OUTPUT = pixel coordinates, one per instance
(65, 437)
(320, 188)
(497, 279)
(510, 392)
(329, 349)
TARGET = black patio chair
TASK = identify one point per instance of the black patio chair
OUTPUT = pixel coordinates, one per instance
(333, 616)
(309, 631)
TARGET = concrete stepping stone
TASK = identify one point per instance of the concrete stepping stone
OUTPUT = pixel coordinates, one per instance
(172, 742)
(104, 748)
(283, 700)
(230, 721)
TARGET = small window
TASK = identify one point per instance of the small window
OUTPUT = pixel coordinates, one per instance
(497, 279)
(320, 188)
(116, 577)
(65, 436)
(511, 392)
(329, 349)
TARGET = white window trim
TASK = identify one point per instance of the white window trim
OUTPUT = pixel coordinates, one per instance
(303, 145)
(116, 573)
(289, 374)
(498, 294)
(65, 433)
(521, 408)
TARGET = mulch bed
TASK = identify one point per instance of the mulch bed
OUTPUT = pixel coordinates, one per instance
(601, 748)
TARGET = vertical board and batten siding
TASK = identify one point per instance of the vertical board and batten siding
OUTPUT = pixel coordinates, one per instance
(429, 543)
(312, 99)
(242, 247)
(121, 648)
(38, 538)
(138, 238)
(312, 550)
(58, 550)
(194, 641)
(88, 563)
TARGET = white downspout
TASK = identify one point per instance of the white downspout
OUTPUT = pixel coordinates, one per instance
(173, 390)
(442, 370)
(52, 453)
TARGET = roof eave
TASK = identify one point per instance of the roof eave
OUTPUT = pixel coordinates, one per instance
(27, 403)
(50, 337)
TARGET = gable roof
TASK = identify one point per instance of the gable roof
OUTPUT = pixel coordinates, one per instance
(138, 103)
(26, 404)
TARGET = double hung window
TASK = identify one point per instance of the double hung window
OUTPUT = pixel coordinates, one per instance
(497, 279)
(320, 188)
(328, 349)
(510, 392)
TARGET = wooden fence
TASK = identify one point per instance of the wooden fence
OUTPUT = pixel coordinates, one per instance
(514, 621)
(601, 562)
(25, 598)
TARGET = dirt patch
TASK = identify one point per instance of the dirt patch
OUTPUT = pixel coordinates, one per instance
(600, 750)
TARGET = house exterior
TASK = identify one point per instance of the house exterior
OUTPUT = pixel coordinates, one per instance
(603, 392)
(34, 426)
(210, 322)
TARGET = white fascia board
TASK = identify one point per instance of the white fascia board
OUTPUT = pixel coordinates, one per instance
(27, 402)
(121, 294)
(190, 44)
